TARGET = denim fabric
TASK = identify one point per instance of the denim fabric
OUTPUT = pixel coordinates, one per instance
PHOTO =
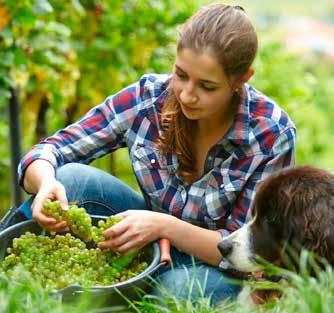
(103, 194)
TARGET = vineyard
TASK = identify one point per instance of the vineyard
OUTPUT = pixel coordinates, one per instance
(60, 58)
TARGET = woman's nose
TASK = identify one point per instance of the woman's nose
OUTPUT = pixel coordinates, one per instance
(188, 95)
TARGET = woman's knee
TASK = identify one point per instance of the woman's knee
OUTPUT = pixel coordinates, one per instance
(196, 282)
(92, 188)
(82, 182)
(70, 172)
(80, 179)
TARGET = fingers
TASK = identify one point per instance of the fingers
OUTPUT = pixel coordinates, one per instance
(117, 236)
(123, 243)
(122, 237)
(117, 242)
(130, 245)
(124, 213)
(39, 216)
(59, 227)
(116, 230)
(49, 190)
(61, 196)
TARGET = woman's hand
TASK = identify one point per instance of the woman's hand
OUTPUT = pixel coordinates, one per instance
(49, 189)
(136, 229)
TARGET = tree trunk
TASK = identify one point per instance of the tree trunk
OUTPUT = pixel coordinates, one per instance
(41, 130)
(15, 144)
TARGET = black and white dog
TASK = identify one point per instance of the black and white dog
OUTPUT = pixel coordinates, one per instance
(293, 207)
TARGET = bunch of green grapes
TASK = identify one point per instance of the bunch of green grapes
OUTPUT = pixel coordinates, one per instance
(54, 209)
(97, 232)
(79, 221)
(64, 260)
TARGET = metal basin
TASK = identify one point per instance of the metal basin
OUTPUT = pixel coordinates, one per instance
(112, 294)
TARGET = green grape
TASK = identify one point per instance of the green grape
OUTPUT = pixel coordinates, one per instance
(79, 221)
(62, 260)
(97, 232)
(53, 209)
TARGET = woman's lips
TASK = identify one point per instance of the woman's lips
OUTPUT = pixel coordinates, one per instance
(187, 108)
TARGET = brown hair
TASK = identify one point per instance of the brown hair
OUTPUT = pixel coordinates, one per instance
(227, 34)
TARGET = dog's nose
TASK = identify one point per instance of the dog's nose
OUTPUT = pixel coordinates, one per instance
(225, 247)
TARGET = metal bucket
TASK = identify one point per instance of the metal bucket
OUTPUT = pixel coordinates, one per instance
(112, 294)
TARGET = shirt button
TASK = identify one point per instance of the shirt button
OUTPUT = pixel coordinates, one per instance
(152, 161)
(184, 195)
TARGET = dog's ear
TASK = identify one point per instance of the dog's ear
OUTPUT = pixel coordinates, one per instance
(329, 253)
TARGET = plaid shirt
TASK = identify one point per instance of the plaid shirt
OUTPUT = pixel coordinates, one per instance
(260, 141)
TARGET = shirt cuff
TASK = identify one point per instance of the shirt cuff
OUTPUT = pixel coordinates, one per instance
(224, 232)
(38, 152)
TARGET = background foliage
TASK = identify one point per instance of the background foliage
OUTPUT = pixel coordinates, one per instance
(67, 56)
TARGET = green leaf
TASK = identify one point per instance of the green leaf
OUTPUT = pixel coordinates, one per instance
(19, 57)
(42, 7)
(7, 36)
(6, 80)
(57, 28)
(25, 17)
(7, 58)
(78, 7)
(4, 96)
(53, 59)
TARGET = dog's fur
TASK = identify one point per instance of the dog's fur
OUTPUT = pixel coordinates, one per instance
(293, 207)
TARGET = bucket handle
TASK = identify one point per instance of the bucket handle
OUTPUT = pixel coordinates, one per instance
(165, 256)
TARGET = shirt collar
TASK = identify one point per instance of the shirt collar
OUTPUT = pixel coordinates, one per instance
(239, 131)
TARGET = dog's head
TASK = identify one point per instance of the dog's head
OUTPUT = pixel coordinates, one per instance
(293, 207)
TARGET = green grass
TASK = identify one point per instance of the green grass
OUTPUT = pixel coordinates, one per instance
(301, 293)
(25, 295)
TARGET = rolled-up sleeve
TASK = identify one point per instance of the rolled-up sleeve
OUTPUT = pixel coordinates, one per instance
(101, 131)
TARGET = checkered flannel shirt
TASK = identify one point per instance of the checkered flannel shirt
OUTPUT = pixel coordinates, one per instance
(260, 141)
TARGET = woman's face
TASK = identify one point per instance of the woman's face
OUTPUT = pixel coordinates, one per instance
(201, 86)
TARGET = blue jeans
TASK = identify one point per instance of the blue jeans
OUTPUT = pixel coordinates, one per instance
(103, 194)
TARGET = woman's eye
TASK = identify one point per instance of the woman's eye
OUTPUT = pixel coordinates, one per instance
(184, 77)
(208, 88)
(181, 76)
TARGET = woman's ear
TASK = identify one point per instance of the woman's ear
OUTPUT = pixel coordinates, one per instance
(245, 78)
(238, 82)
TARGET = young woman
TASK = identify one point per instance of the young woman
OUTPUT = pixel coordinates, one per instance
(199, 140)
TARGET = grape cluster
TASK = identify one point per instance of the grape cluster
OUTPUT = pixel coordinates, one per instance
(54, 209)
(102, 226)
(64, 260)
(79, 222)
